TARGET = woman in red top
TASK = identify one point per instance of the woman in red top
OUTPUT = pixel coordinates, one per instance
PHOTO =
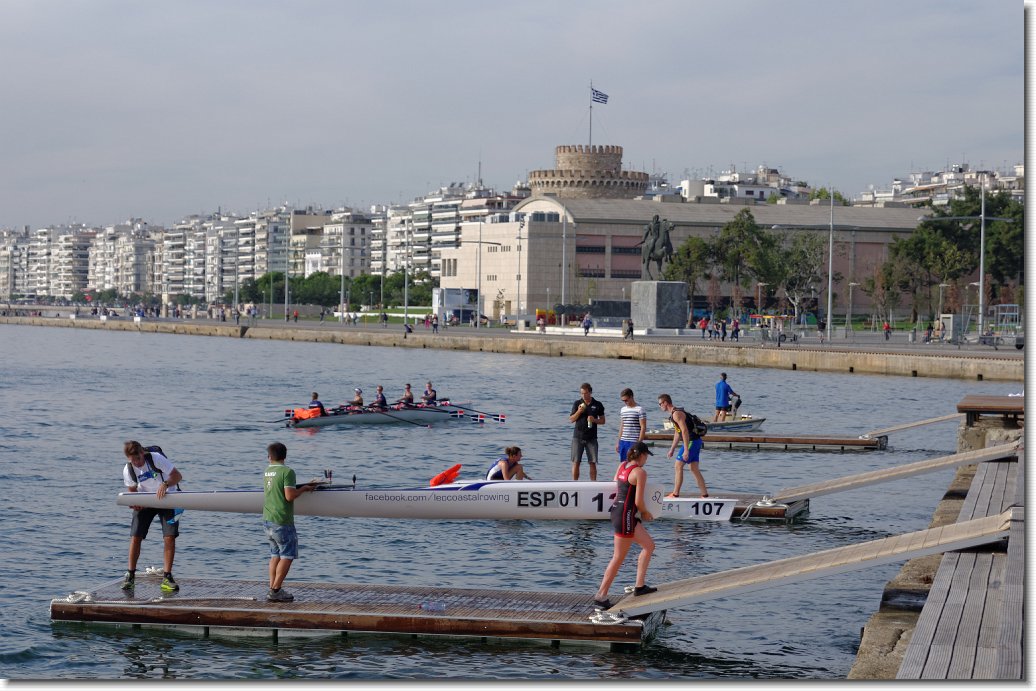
(629, 501)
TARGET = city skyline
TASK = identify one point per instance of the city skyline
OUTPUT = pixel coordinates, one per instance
(160, 111)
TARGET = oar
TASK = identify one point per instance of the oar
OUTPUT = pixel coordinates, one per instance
(498, 417)
(401, 419)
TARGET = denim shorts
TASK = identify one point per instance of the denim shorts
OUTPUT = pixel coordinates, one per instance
(284, 541)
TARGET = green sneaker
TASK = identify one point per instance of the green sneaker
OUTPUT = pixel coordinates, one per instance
(129, 580)
(169, 585)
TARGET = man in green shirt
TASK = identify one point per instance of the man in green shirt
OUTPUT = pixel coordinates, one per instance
(279, 493)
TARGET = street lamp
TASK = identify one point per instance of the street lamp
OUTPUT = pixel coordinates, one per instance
(830, 263)
(518, 292)
(849, 312)
(941, 286)
(341, 287)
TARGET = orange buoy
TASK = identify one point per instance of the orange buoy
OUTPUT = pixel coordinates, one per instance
(445, 476)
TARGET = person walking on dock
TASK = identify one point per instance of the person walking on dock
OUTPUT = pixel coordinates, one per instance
(587, 413)
(628, 526)
(690, 444)
(279, 495)
(148, 470)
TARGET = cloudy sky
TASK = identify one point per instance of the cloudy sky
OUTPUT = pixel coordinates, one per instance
(162, 109)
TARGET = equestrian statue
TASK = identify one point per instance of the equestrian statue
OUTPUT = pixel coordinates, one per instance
(656, 245)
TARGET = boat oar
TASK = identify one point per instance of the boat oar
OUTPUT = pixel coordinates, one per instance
(498, 417)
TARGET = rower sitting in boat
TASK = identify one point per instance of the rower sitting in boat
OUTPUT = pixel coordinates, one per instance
(315, 403)
(379, 399)
(358, 399)
(508, 467)
(429, 395)
(407, 399)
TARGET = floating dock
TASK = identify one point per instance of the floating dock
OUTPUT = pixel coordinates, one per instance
(730, 442)
(207, 606)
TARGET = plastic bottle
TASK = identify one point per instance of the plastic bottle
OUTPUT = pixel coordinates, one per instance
(433, 606)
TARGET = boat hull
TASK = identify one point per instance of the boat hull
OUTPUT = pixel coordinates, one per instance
(502, 500)
(751, 424)
(420, 416)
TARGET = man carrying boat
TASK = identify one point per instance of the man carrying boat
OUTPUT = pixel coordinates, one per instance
(151, 471)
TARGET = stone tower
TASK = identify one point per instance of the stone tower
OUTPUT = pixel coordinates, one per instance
(588, 172)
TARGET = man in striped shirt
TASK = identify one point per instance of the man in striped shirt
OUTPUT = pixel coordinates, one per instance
(632, 424)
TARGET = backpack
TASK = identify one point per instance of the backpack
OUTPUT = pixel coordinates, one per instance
(150, 463)
(697, 427)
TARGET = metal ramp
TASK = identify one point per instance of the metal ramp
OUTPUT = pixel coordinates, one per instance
(854, 557)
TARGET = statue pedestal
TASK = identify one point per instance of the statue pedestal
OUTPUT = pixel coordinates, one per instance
(659, 305)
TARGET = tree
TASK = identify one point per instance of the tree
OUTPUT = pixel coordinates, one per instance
(824, 193)
(801, 256)
(739, 251)
(691, 263)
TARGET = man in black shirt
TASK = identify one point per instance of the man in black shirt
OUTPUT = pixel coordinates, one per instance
(587, 414)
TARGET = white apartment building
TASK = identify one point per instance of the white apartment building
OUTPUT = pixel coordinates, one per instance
(345, 244)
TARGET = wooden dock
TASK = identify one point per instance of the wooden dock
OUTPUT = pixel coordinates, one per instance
(972, 623)
(205, 605)
(758, 442)
(1010, 408)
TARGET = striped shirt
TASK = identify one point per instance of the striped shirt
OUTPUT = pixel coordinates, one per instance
(629, 422)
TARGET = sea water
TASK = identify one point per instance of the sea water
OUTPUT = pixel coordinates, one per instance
(73, 396)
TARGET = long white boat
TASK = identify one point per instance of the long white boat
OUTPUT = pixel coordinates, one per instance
(745, 423)
(487, 499)
(420, 414)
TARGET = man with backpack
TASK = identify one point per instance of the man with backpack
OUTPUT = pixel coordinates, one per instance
(688, 429)
(148, 470)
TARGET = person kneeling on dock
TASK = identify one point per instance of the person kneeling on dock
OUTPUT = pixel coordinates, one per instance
(690, 444)
(279, 495)
(508, 467)
(630, 499)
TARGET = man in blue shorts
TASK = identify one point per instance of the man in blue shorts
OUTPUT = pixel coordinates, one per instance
(279, 495)
(690, 446)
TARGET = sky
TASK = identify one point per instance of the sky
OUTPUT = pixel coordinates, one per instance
(111, 110)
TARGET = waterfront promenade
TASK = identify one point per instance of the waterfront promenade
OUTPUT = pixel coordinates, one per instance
(864, 353)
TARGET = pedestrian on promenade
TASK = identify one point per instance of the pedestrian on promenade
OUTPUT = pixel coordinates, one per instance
(887, 329)
(279, 495)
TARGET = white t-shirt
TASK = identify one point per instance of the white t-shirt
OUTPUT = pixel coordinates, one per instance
(143, 479)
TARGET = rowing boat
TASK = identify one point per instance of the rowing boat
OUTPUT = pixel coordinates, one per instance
(487, 499)
(745, 423)
(417, 414)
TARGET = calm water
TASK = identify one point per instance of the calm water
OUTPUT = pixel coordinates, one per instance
(73, 396)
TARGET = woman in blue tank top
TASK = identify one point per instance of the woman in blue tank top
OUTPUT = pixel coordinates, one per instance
(508, 466)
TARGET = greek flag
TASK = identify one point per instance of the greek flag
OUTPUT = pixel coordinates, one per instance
(598, 96)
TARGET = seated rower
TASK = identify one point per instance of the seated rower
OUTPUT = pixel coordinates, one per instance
(407, 399)
(315, 403)
(508, 467)
(429, 395)
(358, 399)
(379, 399)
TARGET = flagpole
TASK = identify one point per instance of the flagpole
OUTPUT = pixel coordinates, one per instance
(590, 142)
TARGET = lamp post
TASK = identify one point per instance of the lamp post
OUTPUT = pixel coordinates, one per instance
(849, 311)
(478, 291)
(406, 272)
(830, 263)
(518, 291)
(341, 287)
(287, 271)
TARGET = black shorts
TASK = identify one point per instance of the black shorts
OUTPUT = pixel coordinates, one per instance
(624, 520)
(142, 522)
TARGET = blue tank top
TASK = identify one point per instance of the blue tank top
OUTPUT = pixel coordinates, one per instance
(494, 472)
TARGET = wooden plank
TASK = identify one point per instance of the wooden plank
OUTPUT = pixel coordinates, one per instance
(897, 428)
(974, 403)
(793, 569)
(761, 441)
(873, 477)
(965, 646)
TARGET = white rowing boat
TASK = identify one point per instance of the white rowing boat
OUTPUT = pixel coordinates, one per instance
(419, 414)
(500, 499)
(745, 423)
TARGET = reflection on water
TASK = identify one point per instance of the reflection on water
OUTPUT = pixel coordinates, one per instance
(205, 400)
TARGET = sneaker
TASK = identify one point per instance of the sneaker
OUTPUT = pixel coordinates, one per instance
(129, 580)
(169, 585)
(603, 604)
(281, 595)
(644, 590)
